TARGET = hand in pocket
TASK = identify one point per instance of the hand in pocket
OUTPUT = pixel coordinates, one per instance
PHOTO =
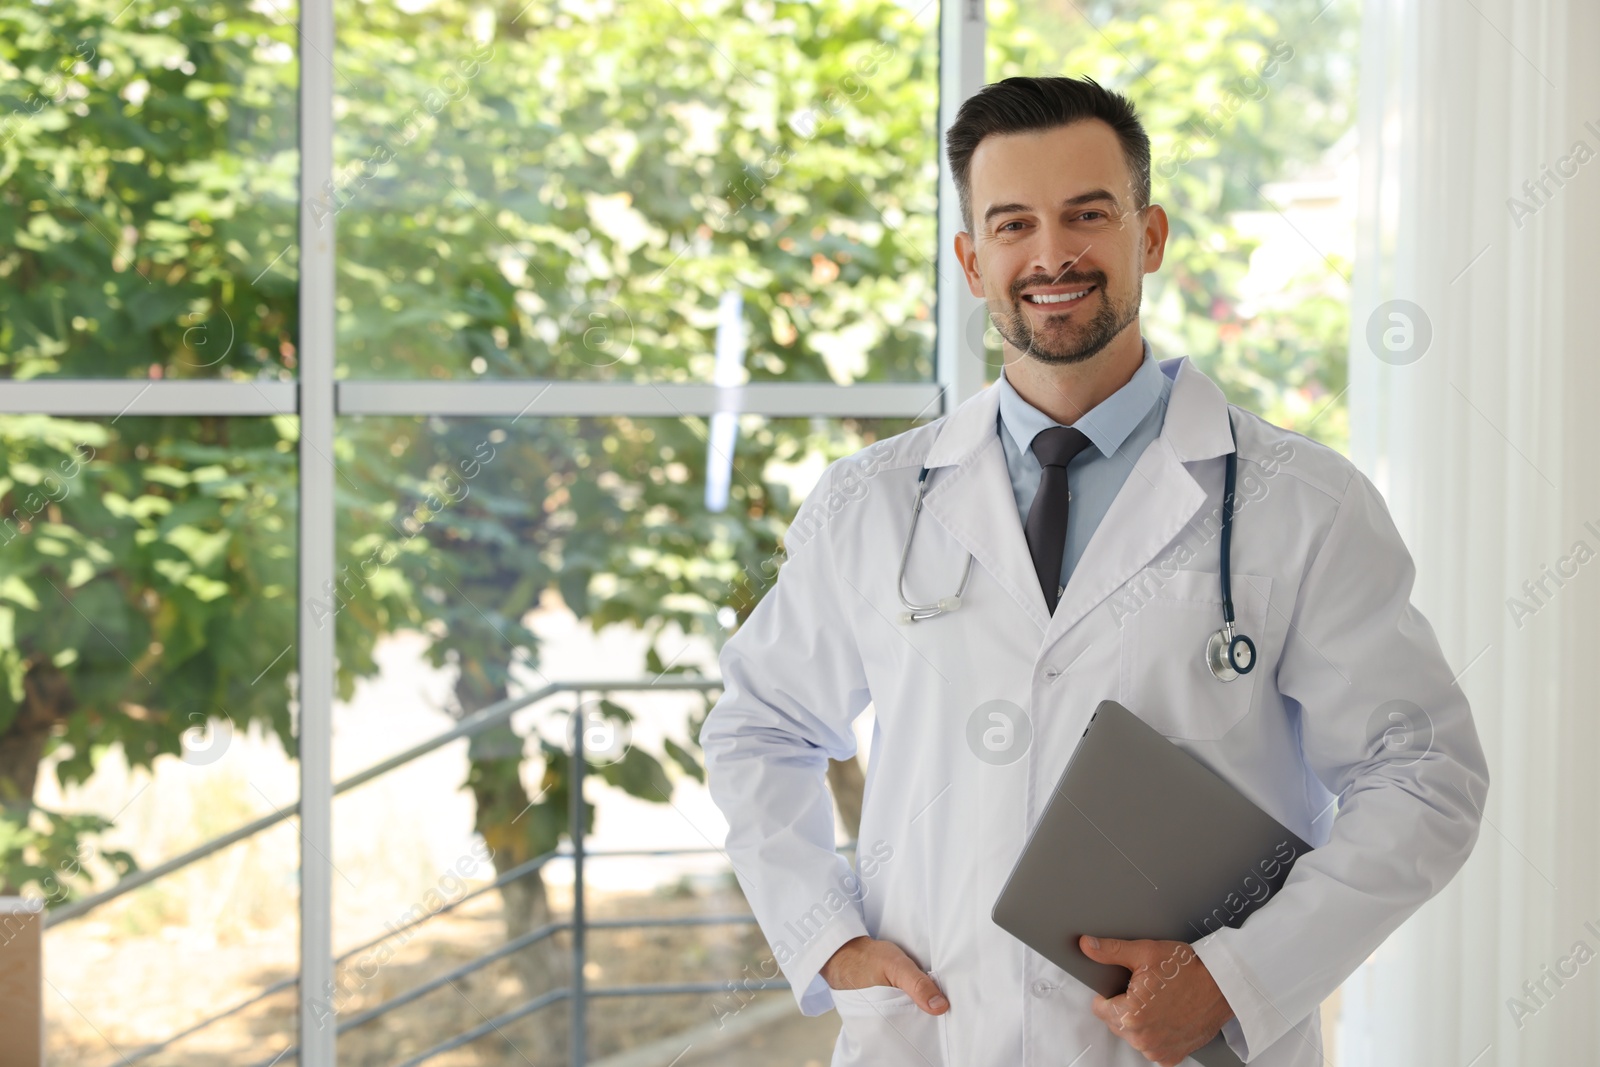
(865, 962)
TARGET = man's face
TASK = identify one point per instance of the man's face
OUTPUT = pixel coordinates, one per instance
(1059, 250)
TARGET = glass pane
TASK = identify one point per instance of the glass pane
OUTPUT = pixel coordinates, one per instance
(490, 558)
(150, 178)
(1251, 114)
(572, 190)
(147, 621)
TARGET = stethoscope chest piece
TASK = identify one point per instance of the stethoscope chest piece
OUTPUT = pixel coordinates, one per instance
(1229, 655)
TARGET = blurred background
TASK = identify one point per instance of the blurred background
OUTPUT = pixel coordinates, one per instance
(634, 197)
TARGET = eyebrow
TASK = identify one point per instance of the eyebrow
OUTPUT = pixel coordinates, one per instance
(1072, 201)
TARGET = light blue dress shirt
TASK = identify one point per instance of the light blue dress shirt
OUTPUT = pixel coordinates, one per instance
(1119, 427)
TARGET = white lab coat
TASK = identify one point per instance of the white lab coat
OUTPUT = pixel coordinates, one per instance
(1322, 584)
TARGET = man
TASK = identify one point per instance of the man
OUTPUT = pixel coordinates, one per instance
(1082, 490)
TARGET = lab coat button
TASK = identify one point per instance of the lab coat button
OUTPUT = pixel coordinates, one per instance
(1052, 673)
(1043, 989)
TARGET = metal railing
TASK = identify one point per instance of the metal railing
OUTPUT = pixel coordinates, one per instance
(579, 992)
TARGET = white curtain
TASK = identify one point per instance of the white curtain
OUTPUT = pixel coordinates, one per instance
(1487, 447)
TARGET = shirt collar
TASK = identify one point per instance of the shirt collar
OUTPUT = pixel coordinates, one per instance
(1107, 424)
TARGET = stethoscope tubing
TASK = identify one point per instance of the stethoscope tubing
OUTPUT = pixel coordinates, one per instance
(1226, 665)
(1230, 476)
(919, 612)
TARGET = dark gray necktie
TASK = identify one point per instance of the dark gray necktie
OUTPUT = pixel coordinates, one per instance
(1046, 527)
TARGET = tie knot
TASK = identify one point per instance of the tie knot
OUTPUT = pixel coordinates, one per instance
(1056, 446)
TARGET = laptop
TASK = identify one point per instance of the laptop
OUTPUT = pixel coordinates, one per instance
(1140, 840)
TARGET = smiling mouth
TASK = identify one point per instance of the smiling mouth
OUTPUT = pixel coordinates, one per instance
(1057, 300)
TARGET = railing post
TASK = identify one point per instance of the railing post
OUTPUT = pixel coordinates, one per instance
(580, 1025)
(21, 982)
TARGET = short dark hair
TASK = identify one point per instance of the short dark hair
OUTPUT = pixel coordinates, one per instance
(1022, 105)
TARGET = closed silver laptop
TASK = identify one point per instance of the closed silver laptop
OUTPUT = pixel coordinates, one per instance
(1139, 841)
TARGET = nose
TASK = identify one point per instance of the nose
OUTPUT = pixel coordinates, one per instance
(1058, 251)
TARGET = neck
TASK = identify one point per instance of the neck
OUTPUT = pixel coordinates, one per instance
(1066, 391)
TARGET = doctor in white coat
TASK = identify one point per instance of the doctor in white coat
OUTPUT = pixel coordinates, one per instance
(1349, 729)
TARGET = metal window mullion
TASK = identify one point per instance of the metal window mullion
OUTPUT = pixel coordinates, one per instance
(316, 637)
(959, 356)
(534, 398)
(115, 397)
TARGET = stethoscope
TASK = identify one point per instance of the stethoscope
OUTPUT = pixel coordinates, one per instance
(1228, 653)
(918, 612)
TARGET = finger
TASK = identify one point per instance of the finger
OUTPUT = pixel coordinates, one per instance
(1113, 1012)
(1100, 949)
(929, 997)
(905, 974)
(1119, 1011)
(1128, 954)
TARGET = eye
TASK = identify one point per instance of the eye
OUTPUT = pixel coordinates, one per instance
(1013, 222)
(1086, 215)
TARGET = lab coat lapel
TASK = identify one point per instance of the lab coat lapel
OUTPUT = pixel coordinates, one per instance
(974, 502)
(1153, 505)
(972, 499)
(1158, 499)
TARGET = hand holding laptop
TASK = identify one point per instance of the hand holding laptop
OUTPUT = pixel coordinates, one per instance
(1172, 1006)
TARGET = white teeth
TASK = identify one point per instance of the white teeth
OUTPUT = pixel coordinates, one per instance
(1061, 298)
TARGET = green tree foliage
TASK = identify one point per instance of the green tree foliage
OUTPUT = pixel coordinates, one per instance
(149, 167)
(553, 172)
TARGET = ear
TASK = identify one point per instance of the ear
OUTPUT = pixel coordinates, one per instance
(967, 253)
(1154, 238)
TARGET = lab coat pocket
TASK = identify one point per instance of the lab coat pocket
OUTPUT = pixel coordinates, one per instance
(882, 1026)
(1166, 622)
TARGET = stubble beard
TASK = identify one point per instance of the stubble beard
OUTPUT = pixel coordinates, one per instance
(1075, 346)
